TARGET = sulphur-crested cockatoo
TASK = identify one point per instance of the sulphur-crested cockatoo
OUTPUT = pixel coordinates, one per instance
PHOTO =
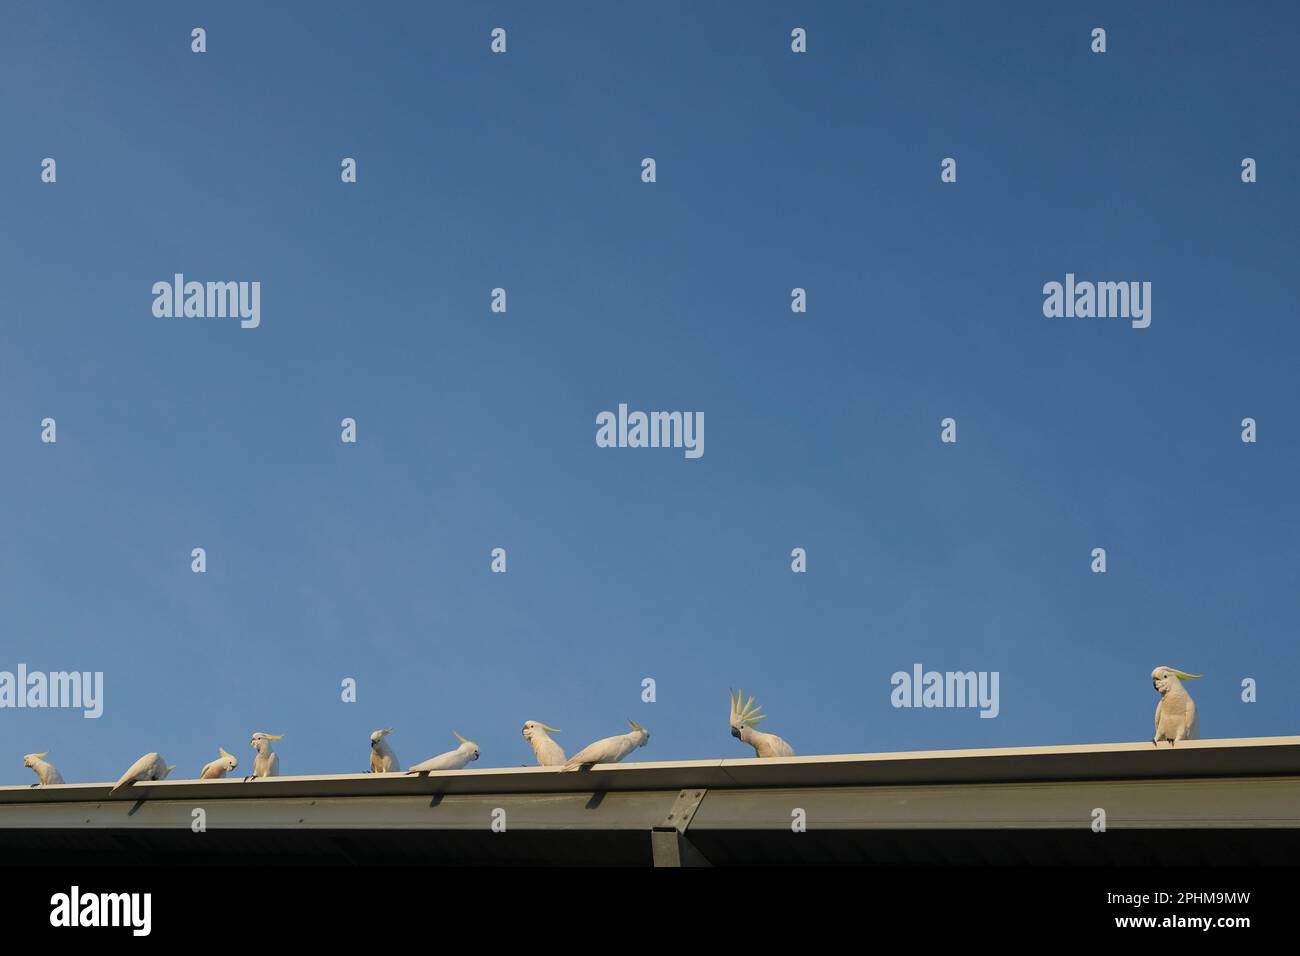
(267, 761)
(611, 749)
(743, 718)
(46, 773)
(149, 767)
(451, 760)
(548, 752)
(1176, 712)
(382, 758)
(219, 767)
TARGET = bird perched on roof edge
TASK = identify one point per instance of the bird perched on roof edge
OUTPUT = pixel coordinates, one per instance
(547, 751)
(45, 772)
(220, 767)
(149, 767)
(743, 717)
(1176, 712)
(451, 760)
(382, 757)
(267, 761)
(610, 749)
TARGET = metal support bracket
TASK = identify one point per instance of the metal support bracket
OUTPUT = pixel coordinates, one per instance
(683, 811)
(668, 843)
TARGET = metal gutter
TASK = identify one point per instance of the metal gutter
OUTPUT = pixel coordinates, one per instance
(1231, 758)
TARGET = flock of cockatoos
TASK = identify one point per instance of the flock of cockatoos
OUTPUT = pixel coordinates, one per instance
(1175, 720)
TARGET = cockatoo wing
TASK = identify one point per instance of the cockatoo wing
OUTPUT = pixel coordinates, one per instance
(770, 745)
(549, 753)
(266, 765)
(452, 760)
(137, 771)
(592, 753)
(608, 750)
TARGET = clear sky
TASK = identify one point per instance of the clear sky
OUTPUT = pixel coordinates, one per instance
(477, 430)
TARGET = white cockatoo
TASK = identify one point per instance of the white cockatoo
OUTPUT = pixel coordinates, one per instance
(1176, 712)
(451, 760)
(149, 767)
(743, 718)
(382, 758)
(267, 761)
(46, 773)
(611, 749)
(219, 767)
(548, 752)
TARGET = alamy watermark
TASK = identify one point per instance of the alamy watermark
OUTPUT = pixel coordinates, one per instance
(922, 688)
(1101, 300)
(130, 910)
(209, 300)
(651, 430)
(72, 689)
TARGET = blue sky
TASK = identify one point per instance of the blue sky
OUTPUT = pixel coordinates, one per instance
(476, 430)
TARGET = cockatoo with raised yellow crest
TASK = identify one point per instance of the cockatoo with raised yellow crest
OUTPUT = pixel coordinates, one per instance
(149, 767)
(1176, 712)
(267, 761)
(611, 749)
(46, 773)
(382, 757)
(547, 751)
(451, 760)
(219, 767)
(744, 715)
